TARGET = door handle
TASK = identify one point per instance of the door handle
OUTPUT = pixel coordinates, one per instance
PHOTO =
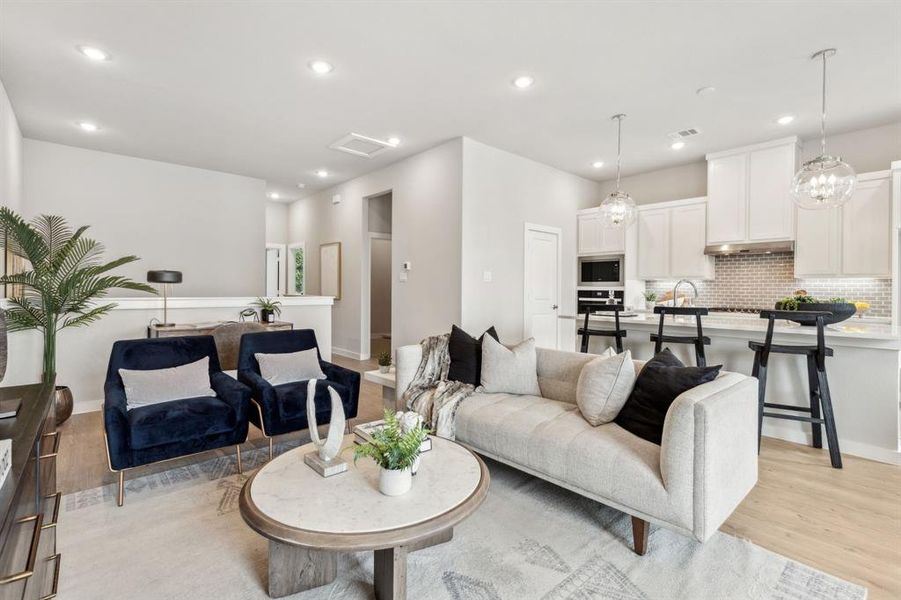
(554, 307)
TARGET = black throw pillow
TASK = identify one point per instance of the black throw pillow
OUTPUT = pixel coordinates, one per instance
(466, 356)
(658, 384)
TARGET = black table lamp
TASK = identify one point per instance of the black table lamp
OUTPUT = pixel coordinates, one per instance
(164, 278)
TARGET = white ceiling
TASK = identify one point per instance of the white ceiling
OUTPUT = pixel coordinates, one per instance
(224, 85)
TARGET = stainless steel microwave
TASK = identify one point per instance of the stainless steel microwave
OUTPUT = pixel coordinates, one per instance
(598, 271)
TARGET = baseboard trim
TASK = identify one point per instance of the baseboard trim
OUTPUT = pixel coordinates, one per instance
(86, 406)
(868, 451)
(347, 353)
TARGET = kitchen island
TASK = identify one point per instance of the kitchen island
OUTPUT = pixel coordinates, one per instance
(863, 374)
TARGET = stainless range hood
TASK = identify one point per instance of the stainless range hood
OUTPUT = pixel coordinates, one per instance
(752, 248)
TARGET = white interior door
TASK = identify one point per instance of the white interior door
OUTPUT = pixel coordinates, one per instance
(273, 272)
(541, 281)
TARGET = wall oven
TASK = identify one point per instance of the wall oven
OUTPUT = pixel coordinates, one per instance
(598, 271)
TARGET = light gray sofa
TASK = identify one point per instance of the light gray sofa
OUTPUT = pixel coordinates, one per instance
(691, 483)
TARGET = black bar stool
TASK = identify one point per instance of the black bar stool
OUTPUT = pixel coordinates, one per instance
(618, 332)
(698, 341)
(816, 378)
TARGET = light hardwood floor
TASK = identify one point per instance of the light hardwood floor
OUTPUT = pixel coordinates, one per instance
(845, 522)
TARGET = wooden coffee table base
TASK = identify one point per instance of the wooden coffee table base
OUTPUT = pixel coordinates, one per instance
(294, 569)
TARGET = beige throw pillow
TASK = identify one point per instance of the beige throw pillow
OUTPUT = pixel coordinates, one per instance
(153, 386)
(604, 386)
(288, 367)
(509, 370)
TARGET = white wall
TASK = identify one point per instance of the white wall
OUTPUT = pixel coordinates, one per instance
(11, 185)
(501, 192)
(276, 223)
(207, 224)
(426, 230)
(866, 150)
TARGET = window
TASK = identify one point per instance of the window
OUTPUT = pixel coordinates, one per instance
(296, 273)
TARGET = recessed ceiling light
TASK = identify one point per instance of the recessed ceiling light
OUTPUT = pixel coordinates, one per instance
(677, 145)
(88, 126)
(322, 173)
(274, 195)
(597, 164)
(301, 185)
(703, 91)
(785, 120)
(320, 67)
(523, 82)
(94, 53)
(394, 141)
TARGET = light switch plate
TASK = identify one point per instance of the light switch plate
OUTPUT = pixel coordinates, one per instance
(403, 276)
(486, 276)
(336, 199)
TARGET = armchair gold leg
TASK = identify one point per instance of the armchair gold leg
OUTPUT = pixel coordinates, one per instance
(120, 500)
(238, 454)
(270, 448)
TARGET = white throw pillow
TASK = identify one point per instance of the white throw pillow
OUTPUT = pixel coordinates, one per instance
(289, 367)
(604, 386)
(153, 386)
(509, 370)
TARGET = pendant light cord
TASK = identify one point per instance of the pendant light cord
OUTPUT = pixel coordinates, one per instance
(619, 146)
(823, 117)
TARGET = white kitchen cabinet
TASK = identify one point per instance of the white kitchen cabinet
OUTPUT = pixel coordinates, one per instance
(594, 238)
(671, 240)
(747, 193)
(851, 241)
(653, 243)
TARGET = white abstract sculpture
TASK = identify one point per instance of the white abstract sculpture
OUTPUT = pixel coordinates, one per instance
(325, 459)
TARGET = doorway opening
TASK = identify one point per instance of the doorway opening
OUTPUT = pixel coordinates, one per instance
(377, 336)
(275, 270)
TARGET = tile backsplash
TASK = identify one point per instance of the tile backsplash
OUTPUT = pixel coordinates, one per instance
(759, 280)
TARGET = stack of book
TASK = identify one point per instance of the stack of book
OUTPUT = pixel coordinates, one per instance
(363, 434)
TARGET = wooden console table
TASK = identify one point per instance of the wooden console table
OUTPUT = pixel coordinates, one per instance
(181, 329)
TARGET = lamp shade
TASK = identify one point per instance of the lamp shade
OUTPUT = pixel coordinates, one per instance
(164, 276)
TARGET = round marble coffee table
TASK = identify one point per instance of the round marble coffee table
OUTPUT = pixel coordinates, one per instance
(309, 519)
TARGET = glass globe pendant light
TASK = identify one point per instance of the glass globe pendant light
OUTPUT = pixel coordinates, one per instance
(826, 181)
(618, 208)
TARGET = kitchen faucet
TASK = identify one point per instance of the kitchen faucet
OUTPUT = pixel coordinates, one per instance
(676, 288)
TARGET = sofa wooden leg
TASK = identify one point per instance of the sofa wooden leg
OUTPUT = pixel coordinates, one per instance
(270, 448)
(238, 454)
(120, 499)
(640, 531)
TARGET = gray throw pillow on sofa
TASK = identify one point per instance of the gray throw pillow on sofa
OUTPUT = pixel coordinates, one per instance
(604, 386)
(153, 386)
(509, 370)
(289, 367)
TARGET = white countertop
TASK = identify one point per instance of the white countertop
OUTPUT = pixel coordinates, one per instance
(851, 329)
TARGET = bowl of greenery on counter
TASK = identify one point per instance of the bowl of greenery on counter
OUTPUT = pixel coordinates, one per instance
(840, 308)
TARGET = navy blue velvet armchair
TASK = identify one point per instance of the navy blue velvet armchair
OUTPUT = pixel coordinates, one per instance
(283, 408)
(149, 434)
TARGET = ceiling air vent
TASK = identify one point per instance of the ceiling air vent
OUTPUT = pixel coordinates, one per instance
(360, 145)
(684, 133)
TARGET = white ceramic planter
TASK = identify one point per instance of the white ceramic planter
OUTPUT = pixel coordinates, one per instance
(384, 368)
(649, 306)
(395, 482)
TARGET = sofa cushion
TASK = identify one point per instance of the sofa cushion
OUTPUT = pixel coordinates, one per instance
(552, 440)
(178, 421)
(466, 355)
(150, 386)
(604, 386)
(292, 398)
(658, 384)
(558, 373)
(288, 367)
(510, 370)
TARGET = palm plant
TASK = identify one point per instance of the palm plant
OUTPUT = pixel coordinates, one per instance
(65, 279)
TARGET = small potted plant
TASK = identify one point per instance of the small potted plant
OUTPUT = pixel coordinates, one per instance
(395, 448)
(269, 309)
(650, 298)
(384, 362)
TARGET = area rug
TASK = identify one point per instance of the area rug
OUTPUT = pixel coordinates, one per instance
(180, 536)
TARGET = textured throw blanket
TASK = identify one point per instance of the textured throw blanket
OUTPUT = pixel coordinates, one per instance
(431, 394)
